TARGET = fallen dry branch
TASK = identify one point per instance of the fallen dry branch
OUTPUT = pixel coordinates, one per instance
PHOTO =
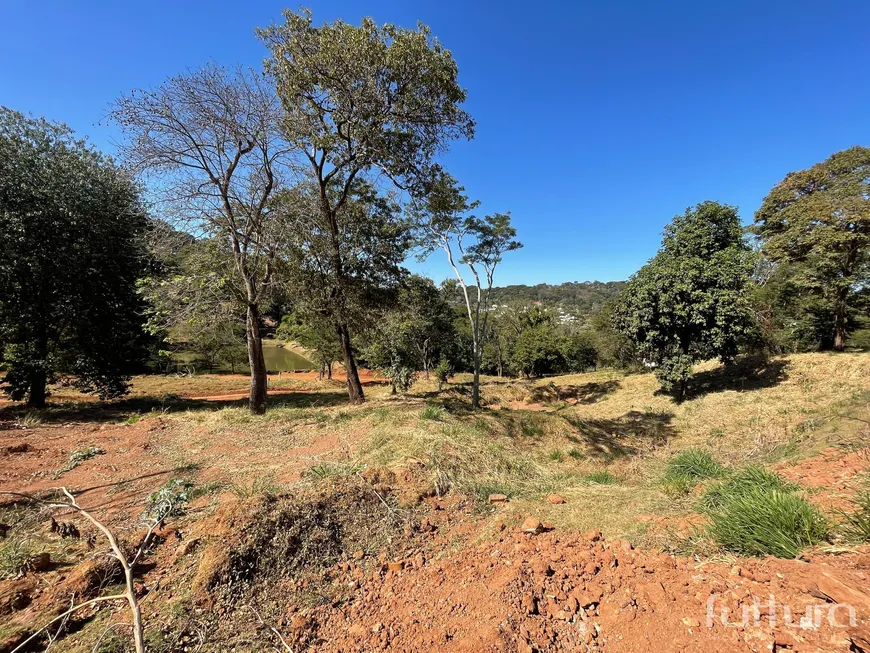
(127, 564)
(273, 629)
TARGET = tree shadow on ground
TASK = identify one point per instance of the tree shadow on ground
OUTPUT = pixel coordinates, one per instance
(631, 434)
(586, 393)
(121, 409)
(747, 374)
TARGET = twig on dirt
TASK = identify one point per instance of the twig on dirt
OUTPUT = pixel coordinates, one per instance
(113, 597)
(127, 566)
(272, 628)
(63, 622)
(377, 494)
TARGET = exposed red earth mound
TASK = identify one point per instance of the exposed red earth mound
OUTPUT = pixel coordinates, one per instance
(556, 592)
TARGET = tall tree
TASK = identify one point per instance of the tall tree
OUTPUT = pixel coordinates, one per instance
(71, 235)
(429, 320)
(443, 223)
(360, 100)
(344, 268)
(211, 142)
(689, 303)
(820, 219)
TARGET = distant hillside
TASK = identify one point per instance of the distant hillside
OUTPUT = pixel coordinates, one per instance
(574, 300)
(573, 297)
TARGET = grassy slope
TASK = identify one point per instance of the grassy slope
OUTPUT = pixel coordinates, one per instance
(536, 437)
(621, 424)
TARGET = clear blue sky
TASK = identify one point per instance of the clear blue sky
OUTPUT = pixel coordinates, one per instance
(597, 121)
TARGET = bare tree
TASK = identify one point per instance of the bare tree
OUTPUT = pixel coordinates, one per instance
(443, 223)
(210, 144)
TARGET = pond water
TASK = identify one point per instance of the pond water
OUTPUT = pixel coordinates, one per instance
(283, 359)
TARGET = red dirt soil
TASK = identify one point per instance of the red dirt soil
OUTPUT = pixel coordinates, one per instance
(457, 590)
(558, 592)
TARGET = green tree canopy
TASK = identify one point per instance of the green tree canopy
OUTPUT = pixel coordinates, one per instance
(416, 334)
(819, 219)
(71, 237)
(689, 303)
(316, 334)
(343, 269)
(363, 100)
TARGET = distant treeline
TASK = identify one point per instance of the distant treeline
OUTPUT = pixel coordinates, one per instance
(580, 298)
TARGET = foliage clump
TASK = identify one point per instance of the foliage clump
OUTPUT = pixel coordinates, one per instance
(77, 457)
(170, 500)
(689, 303)
(755, 512)
(687, 468)
(815, 226)
(71, 230)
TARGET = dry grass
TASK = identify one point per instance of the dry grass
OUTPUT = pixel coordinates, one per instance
(787, 409)
(533, 437)
(549, 435)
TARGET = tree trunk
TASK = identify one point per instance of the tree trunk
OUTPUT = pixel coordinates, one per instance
(36, 396)
(840, 325)
(681, 392)
(329, 371)
(354, 387)
(475, 386)
(257, 401)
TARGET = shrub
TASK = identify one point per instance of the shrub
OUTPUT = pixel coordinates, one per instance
(77, 457)
(170, 500)
(764, 520)
(442, 373)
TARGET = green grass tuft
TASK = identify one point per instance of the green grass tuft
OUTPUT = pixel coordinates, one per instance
(556, 455)
(602, 477)
(687, 468)
(856, 524)
(327, 469)
(431, 412)
(755, 512)
(531, 428)
(743, 482)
